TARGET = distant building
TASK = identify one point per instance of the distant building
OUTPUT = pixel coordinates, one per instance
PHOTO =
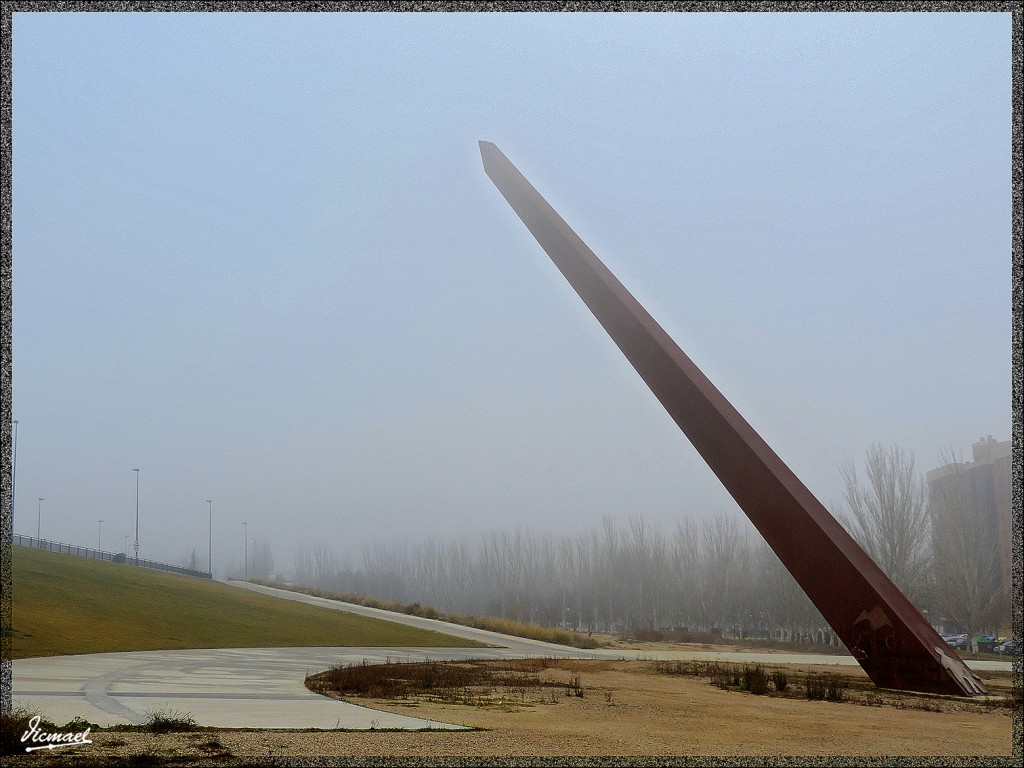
(987, 487)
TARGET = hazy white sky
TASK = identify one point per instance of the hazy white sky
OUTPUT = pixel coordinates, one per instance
(256, 256)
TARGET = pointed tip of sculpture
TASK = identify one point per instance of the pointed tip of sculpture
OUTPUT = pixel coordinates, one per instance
(488, 150)
(489, 153)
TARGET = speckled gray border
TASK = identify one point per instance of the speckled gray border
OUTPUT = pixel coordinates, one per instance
(1016, 7)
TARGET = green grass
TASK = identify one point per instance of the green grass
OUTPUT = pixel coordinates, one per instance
(64, 604)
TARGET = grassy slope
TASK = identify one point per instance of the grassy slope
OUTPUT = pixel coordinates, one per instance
(555, 635)
(64, 604)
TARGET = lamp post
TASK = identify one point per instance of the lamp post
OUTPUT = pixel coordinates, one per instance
(14, 470)
(210, 560)
(39, 517)
(136, 471)
(246, 534)
(99, 537)
(126, 543)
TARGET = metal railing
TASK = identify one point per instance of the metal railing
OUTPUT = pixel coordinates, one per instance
(96, 554)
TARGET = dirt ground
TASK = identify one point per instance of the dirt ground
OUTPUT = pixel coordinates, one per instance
(626, 709)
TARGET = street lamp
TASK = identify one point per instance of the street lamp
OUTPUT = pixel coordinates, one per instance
(39, 517)
(210, 560)
(126, 543)
(99, 537)
(246, 550)
(14, 470)
(136, 471)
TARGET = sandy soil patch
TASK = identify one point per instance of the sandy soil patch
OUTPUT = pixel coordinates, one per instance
(625, 710)
(628, 710)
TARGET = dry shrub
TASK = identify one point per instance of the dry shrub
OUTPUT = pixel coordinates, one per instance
(825, 687)
(755, 680)
(170, 721)
(780, 680)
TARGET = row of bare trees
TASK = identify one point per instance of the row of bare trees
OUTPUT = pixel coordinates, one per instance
(713, 575)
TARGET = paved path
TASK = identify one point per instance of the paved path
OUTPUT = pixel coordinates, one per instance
(225, 687)
(263, 687)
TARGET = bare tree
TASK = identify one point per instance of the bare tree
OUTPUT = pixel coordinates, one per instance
(304, 565)
(262, 562)
(888, 516)
(967, 576)
(315, 564)
(583, 579)
(685, 573)
(565, 579)
(635, 567)
(325, 563)
(724, 561)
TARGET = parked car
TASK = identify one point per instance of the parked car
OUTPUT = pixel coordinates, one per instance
(1011, 647)
(957, 642)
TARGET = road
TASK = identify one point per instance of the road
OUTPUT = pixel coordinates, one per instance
(263, 687)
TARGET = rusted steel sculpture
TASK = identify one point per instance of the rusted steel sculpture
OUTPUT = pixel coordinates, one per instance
(881, 627)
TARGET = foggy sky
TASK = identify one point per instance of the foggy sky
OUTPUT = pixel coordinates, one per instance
(256, 256)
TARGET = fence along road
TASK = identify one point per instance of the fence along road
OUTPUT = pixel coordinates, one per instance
(263, 687)
(98, 554)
